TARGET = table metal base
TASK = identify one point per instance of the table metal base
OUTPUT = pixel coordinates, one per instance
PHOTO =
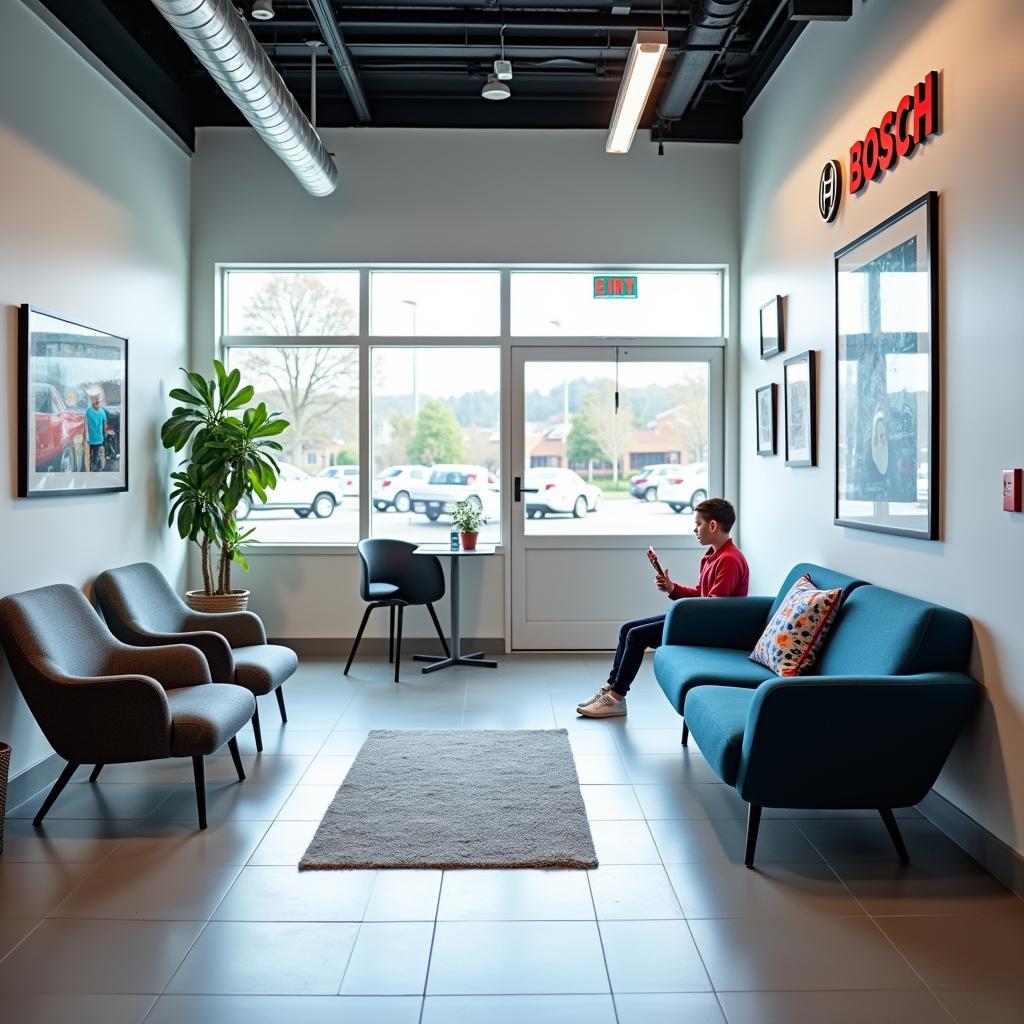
(439, 661)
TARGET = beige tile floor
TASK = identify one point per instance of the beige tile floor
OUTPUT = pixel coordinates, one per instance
(118, 911)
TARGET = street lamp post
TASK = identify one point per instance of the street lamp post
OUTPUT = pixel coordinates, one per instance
(414, 305)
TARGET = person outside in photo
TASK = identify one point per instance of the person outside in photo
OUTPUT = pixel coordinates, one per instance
(95, 432)
(723, 573)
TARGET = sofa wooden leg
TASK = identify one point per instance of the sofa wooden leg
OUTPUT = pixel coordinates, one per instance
(280, 703)
(58, 787)
(256, 731)
(236, 757)
(894, 833)
(753, 823)
(686, 735)
(199, 770)
(96, 773)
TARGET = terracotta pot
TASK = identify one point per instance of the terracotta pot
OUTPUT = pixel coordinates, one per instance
(199, 601)
(468, 540)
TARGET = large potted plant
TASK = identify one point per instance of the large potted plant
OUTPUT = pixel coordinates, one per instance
(229, 457)
(467, 519)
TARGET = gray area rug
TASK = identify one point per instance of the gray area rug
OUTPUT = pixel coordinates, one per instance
(460, 798)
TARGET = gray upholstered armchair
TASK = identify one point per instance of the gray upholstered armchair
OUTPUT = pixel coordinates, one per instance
(98, 701)
(142, 609)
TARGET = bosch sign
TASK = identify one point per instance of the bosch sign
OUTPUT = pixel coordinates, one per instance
(829, 188)
(915, 118)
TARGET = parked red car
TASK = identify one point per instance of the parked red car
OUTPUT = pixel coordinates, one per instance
(59, 432)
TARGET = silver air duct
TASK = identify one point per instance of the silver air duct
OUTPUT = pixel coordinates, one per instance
(216, 33)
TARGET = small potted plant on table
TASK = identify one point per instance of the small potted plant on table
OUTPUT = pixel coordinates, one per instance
(467, 519)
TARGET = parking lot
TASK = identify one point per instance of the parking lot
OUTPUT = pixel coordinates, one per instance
(616, 517)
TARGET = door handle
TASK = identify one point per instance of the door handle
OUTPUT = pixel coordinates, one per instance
(520, 490)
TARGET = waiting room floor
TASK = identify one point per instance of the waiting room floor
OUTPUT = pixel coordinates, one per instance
(119, 911)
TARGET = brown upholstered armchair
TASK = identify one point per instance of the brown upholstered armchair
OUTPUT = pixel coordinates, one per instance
(98, 701)
(142, 609)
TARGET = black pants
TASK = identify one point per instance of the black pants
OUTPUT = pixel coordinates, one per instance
(95, 458)
(635, 637)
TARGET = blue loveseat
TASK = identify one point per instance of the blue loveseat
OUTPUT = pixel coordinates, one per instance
(869, 726)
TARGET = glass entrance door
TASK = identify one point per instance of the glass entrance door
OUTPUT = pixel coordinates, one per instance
(611, 448)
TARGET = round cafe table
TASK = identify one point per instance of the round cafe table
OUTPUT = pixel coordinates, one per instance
(457, 657)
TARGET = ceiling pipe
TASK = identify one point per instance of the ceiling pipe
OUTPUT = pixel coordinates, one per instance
(215, 32)
(323, 12)
(712, 23)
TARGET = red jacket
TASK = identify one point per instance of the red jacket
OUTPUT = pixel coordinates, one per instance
(723, 573)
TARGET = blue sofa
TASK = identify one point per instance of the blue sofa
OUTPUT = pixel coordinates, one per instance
(871, 724)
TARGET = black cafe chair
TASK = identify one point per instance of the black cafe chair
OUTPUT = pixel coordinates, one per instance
(392, 577)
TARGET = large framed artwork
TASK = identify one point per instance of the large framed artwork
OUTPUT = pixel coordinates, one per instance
(887, 376)
(767, 402)
(72, 407)
(801, 392)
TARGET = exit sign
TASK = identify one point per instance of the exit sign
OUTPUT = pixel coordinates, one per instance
(614, 287)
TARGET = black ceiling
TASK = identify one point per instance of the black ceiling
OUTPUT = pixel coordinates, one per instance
(422, 63)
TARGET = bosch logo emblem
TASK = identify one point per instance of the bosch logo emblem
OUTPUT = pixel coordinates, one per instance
(829, 190)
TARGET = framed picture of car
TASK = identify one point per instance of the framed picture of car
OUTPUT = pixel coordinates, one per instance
(887, 381)
(773, 339)
(767, 403)
(72, 407)
(801, 410)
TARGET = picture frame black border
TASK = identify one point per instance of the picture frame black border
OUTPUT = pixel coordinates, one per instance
(24, 312)
(931, 532)
(780, 345)
(812, 384)
(774, 388)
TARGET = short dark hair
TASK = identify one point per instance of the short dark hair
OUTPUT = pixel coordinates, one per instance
(718, 509)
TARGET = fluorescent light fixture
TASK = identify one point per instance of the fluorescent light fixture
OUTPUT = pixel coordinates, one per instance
(645, 58)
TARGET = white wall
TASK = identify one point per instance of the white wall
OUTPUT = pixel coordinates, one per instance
(448, 196)
(93, 225)
(835, 84)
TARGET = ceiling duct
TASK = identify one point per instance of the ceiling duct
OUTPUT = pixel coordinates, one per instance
(712, 23)
(215, 32)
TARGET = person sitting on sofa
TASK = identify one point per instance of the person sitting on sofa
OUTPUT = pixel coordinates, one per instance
(723, 573)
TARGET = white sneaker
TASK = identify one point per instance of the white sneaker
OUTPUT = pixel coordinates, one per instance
(606, 706)
(597, 696)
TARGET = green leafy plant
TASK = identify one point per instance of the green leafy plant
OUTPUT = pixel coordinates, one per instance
(229, 457)
(467, 518)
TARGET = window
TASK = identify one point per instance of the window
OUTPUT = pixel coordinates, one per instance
(678, 303)
(292, 305)
(435, 439)
(422, 304)
(316, 389)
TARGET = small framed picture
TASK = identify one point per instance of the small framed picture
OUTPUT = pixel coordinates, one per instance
(767, 402)
(801, 410)
(72, 407)
(772, 334)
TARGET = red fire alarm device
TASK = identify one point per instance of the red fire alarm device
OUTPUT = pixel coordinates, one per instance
(1012, 489)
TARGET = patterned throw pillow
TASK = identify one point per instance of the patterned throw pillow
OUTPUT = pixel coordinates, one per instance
(796, 634)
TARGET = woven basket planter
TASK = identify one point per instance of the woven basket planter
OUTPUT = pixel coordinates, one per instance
(199, 601)
(5, 768)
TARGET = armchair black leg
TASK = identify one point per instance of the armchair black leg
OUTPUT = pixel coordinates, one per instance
(58, 787)
(894, 833)
(753, 823)
(686, 735)
(398, 640)
(280, 703)
(256, 729)
(437, 626)
(96, 773)
(199, 770)
(236, 757)
(391, 637)
(359, 636)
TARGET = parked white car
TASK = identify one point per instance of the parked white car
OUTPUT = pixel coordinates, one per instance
(297, 491)
(347, 478)
(394, 487)
(687, 487)
(449, 483)
(644, 485)
(559, 490)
